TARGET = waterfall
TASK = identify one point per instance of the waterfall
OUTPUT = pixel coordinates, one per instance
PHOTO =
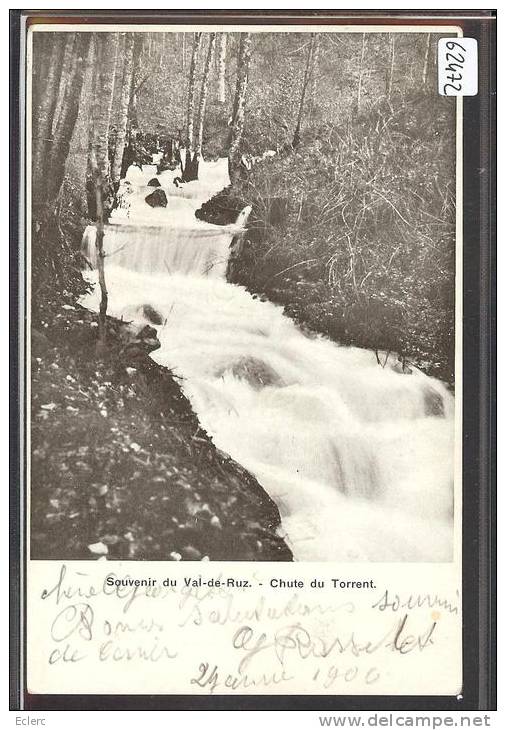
(166, 239)
(152, 249)
(358, 458)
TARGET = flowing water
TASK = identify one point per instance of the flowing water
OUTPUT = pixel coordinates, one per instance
(358, 458)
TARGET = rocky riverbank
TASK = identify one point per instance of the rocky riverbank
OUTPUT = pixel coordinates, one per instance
(120, 466)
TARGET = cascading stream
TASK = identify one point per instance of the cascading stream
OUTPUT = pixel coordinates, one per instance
(358, 458)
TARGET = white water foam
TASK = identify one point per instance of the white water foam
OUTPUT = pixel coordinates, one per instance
(357, 457)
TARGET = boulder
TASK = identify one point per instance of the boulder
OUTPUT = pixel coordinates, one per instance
(433, 402)
(139, 340)
(151, 314)
(154, 183)
(157, 199)
(147, 339)
(255, 372)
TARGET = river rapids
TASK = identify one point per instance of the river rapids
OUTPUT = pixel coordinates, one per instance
(358, 458)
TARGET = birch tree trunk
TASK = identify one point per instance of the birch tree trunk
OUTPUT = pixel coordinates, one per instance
(390, 78)
(67, 119)
(43, 119)
(126, 86)
(90, 182)
(203, 100)
(191, 100)
(66, 68)
(361, 72)
(133, 122)
(426, 60)
(237, 126)
(314, 75)
(162, 50)
(42, 47)
(106, 54)
(222, 67)
(307, 75)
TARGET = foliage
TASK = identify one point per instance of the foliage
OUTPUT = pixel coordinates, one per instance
(56, 263)
(354, 231)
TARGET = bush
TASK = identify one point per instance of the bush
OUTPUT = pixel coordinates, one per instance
(354, 231)
(56, 261)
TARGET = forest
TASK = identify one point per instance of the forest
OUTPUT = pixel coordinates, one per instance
(345, 152)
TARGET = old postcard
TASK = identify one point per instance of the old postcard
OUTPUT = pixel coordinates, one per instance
(244, 374)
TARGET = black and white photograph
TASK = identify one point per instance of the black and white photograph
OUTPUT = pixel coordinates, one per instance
(242, 285)
(252, 363)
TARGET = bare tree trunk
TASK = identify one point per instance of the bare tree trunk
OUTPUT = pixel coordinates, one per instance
(66, 68)
(203, 99)
(307, 75)
(116, 95)
(119, 43)
(126, 85)
(222, 67)
(106, 54)
(43, 118)
(132, 112)
(50, 245)
(162, 50)
(191, 100)
(136, 81)
(50, 242)
(42, 46)
(314, 75)
(90, 182)
(237, 126)
(390, 78)
(104, 298)
(66, 123)
(119, 40)
(426, 60)
(361, 72)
